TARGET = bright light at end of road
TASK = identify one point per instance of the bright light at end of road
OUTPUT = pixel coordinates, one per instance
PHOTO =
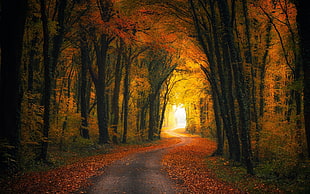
(180, 116)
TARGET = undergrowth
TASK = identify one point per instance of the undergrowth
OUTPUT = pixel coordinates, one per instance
(74, 152)
(264, 180)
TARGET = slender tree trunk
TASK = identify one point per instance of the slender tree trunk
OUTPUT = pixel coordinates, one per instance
(58, 38)
(65, 122)
(47, 84)
(157, 115)
(84, 89)
(218, 113)
(151, 117)
(32, 62)
(116, 93)
(55, 50)
(249, 60)
(163, 110)
(261, 99)
(162, 117)
(143, 118)
(126, 100)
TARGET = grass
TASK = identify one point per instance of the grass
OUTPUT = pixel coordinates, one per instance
(236, 175)
(76, 151)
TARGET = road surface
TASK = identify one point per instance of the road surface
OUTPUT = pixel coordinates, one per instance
(138, 174)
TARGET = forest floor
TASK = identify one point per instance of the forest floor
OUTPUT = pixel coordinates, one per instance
(178, 163)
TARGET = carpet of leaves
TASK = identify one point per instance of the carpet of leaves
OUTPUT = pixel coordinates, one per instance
(75, 177)
(195, 171)
(187, 167)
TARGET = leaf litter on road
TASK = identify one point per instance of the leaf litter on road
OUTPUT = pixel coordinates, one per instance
(74, 177)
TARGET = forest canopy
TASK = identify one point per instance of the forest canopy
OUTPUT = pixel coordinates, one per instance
(89, 73)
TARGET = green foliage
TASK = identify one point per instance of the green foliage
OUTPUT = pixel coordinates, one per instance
(31, 126)
(296, 85)
(209, 131)
(6, 158)
(287, 173)
(265, 180)
(282, 167)
(80, 143)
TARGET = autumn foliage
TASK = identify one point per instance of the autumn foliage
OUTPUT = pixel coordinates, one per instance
(89, 73)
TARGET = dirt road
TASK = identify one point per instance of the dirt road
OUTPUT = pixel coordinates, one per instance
(138, 174)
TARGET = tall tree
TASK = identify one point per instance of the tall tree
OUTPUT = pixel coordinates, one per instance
(101, 45)
(126, 95)
(51, 55)
(85, 87)
(216, 108)
(47, 83)
(13, 16)
(101, 49)
(116, 91)
(220, 73)
(240, 83)
(303, 13)
(159, 67)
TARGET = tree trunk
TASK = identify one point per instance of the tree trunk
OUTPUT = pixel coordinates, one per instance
(221, 74)
(303, 14)
(84, 90)
(240, 85)
(261, 100)
(164, 106)
(116, 93)
(219, 127)
(151, 117)
(157, 115)
(47, 84)
(143, 118)
(32, 62)
(126, 100)
(100, 84)
(55, 49)
(58, 38)
(13, 16)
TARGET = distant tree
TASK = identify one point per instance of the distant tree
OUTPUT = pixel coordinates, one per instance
(85, 86)
(116, 91)
(160, 65)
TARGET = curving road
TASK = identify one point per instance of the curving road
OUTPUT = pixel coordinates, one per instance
(138, 174)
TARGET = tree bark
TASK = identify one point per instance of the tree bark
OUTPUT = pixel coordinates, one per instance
(220, 73)
(32, 62)
(13, 16)
(100, 85)
(240, 85)
(47, 84)
(261, 99)
(151, 117)
(116, 93)
(126, 100)
(303, 15)
(58, 38)
(217, 113)
(84, 90)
